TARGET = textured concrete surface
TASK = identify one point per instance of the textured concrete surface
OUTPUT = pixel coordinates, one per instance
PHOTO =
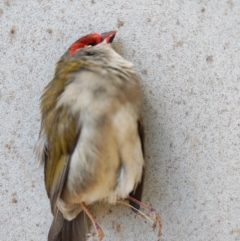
(187, 55)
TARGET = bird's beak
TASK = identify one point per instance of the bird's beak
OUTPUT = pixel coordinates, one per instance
(108, 37)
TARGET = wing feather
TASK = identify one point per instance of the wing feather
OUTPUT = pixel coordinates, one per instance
(137, 193)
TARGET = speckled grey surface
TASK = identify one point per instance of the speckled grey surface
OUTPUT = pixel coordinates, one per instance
(187, 55)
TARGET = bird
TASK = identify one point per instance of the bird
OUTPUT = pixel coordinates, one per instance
(91, 139)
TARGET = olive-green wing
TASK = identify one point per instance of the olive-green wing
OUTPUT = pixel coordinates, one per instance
(61, 129)
(62, 135)
(137, 193)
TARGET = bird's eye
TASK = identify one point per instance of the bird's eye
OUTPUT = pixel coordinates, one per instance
(90, 53)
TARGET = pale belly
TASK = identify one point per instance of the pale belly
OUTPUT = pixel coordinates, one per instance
(106, 165)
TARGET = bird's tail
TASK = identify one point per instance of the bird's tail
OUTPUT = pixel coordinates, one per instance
(64, 230)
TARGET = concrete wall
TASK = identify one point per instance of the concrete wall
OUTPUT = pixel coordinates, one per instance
(187, 55)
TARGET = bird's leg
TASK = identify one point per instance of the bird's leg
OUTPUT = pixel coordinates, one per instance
(156, 217)
(99, 232)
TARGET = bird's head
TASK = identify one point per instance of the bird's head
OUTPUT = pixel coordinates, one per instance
(92, 39)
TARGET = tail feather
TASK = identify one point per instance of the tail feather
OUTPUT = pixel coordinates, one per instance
(64, 230)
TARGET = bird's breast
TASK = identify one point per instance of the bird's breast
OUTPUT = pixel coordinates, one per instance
(107, 161)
